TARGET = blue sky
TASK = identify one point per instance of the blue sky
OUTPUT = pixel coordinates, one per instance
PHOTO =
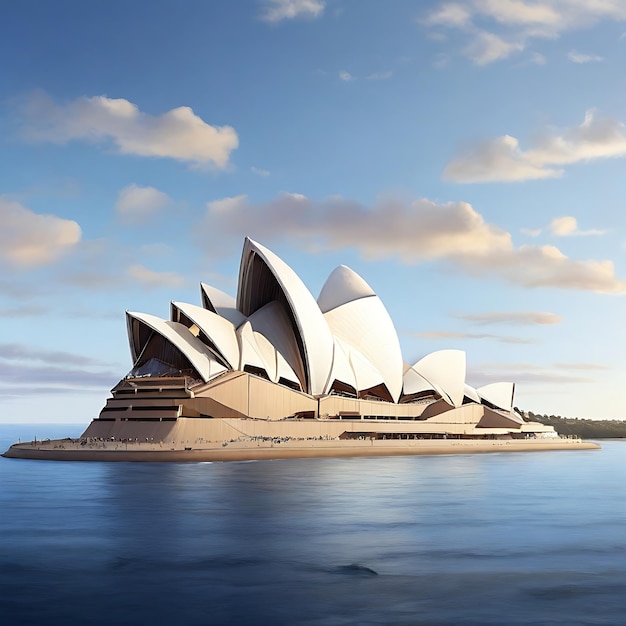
(466, 158)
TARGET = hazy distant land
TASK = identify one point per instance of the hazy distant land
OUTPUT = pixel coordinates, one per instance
(580, 427)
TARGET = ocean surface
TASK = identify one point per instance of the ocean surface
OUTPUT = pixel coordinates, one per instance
(505, 538)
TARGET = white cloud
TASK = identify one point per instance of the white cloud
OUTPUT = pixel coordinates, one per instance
(22, 352)
(547, 266)
(520, 12)
(380, 75)
(480, 376)
(564, 226)
(34, 377)
(532, 232)
(226, 205)
(259, 171)
(178, 134)
(279, 10)
(23, 311)
(496, 160)
(496, 29)
(151, 279)
(582, 366)
(523, 318)
(29, 239)
(567, 226)
(346, 76)
(485, 48)
(538, 59)
(459, 336)
(136, 203)
(579, 57)
(502, 160)
(450, 14)
(412, 232)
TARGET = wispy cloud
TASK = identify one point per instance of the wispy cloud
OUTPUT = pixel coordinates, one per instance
(538, 59)
(346, 76)
(582, 366)
(136, 203)
(380, 75)
(33, 368)
(502, 160)
(177, 134)
(515, 318)
(29, 239)
(485, 48)
(411, 232)
(445, 334)
(23, 311)
(152, 279)
(260, 171)
(564, 226)
(567, 226)
(279, 10)
(22, 352)
(66, 377)
(492, 30)
(580, 58)
(480, 377)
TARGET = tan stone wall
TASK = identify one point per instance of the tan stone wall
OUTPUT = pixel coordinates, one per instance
(270, 401)
(334, 405)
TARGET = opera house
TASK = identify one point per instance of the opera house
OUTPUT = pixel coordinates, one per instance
(275, 373)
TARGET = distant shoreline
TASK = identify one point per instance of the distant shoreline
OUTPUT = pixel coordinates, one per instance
(66, 450)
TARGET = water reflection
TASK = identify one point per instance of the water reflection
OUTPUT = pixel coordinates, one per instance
(483, 539)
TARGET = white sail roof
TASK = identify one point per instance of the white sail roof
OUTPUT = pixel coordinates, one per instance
(365, 325)
(264, 277)
(446, 369)
(180, 336)
(259, 352)
(273, 322)
(415, 383)
(365, 373)
(221, 303)
(342, 370)
(218, 329)
(472, 394)
(498, 394)
(342, 286)
(249, 351)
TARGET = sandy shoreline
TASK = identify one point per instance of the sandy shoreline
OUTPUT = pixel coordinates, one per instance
(254, 451)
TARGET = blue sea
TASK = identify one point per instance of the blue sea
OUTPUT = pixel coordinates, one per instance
(505, 538)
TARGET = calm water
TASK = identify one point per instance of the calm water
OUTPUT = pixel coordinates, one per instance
(533, 538)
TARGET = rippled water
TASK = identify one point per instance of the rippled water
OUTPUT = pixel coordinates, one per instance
(507, 538)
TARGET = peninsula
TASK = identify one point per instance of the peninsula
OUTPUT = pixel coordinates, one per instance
(274, 373)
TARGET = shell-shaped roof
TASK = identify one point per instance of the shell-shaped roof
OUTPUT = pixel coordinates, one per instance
(415, 383)
(257, 351)
(365, 325)
(365, 373)
(249, 351)
(221, 303)
(498, 394)
(342, 370)
(179, 336)
(273, 323)
(472, 394)
(446, 369)
(217, 329)
(276, 328)
(342, 286)
(264, 277)
(268, 353)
